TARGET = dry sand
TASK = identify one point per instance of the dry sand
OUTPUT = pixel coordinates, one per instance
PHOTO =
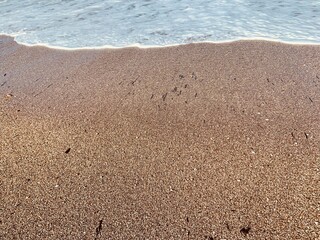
(202, 141)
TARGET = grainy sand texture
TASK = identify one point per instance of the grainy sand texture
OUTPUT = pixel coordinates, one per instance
(199, 141)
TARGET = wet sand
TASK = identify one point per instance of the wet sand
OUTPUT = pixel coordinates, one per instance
(201, 141)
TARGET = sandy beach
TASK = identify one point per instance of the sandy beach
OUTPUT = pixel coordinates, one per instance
(198, 141)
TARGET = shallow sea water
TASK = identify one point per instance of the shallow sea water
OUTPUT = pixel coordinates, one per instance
(94, 23)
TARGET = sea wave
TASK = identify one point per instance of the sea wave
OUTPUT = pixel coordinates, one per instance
(119, 23)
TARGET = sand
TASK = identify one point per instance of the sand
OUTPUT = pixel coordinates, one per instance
(199, 141)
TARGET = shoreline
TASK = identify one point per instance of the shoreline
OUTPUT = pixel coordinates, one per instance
(140, 46)
(198, 141)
